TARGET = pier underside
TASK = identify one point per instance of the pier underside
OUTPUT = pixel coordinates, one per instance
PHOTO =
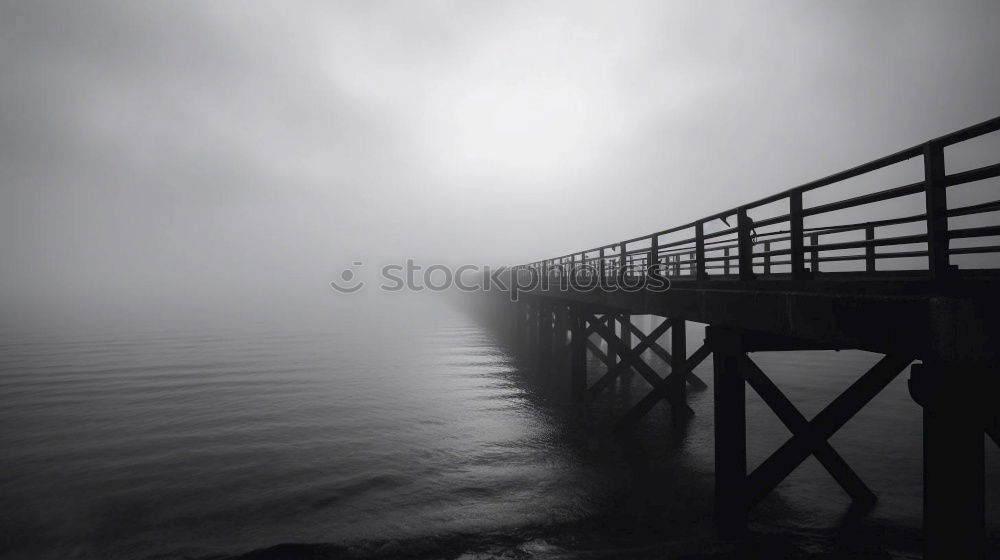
(948, 343)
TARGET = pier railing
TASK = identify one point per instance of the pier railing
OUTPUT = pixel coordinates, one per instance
(907, 229)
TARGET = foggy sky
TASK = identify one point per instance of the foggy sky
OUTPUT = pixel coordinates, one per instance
(170, 157)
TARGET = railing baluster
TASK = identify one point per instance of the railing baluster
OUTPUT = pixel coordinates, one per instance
(621, 260)
(814, 252)
(654, 254)
(603, 269)
(699, 248)
(767, 257)
(935, 194)
(797, 241)
(743, 233)
(870, 249)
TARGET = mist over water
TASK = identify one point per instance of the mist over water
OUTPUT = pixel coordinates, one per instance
(179, 183)
(403, 421)
(193, 442)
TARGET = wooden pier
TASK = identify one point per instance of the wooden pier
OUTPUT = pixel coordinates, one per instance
(899, 271)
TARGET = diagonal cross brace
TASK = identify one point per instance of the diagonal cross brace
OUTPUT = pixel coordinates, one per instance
(798, 425)
(660, 351)
(661, 389)
(790, 455)
(634, 359)
(590, 327)
(668, 357)
(629, 357)
(596, 350)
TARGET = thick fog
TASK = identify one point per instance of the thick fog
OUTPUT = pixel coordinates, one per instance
(168, 160)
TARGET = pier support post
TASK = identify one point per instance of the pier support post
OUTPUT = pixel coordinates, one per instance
(544, 336)
(678, 345)
(534, 318)
(611, 344)
(562, 330)
(578, 354)
(517, 313)
(730, 431)
(624, 321)
(954, 463)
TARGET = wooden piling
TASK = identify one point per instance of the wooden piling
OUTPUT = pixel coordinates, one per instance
(678, 348)
(730, 431)
(954, 464)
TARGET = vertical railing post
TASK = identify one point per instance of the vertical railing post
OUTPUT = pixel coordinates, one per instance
(725, 262)
(795, 223)
(621, 260)
(654, 255)
(767, 257)
(744, 227)
(936, 196)
(814, 252)
(699, 249)
(870, 248)
(602, 270)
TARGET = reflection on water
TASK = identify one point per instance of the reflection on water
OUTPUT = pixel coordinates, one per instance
(133, 445)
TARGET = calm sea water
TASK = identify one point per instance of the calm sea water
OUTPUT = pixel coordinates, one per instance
(419, 432)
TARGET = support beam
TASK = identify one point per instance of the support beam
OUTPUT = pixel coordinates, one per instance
(954, 464)
(606, 330)
(667, 357)
(730, 432)
(596, 350)
(544, 336)
(627, 358)
(797, 424)
(624, 322)
(578, 354)
(531, 328)
(775, 468)
(612, 321)
(678, 343)
(634, 359)
(660, 392)
(561, 334)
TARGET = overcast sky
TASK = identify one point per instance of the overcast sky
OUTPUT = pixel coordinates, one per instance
(163, 155)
